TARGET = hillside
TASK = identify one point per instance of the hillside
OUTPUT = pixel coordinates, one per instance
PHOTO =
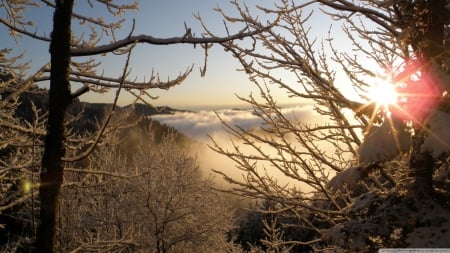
(91, 115)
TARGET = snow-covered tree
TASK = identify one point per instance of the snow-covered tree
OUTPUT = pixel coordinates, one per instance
(361, 176)
(158, 201)
(20, 150)
(75, 68)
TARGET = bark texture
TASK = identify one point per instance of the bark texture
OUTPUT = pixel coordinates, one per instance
(429, 46)
(51, 175)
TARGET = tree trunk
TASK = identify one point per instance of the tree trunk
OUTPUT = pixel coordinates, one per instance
(51, 175)
(421, 165)
(429, 46)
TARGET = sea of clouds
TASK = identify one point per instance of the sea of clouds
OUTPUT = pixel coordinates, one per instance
(203, 125)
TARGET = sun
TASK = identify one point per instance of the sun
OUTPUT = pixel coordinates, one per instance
(383, 93)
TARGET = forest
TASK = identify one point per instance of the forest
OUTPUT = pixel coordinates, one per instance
(99, 177)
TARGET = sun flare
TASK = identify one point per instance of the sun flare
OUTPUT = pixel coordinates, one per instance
(383, 93)
(26, 186)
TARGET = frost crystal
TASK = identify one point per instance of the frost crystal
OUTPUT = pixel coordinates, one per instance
(438, 140)
(384, 142)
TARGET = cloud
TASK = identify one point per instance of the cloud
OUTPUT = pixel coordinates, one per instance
(198, 125)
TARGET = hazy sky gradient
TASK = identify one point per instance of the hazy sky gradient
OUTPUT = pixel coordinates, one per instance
(159, 18)
(166, 18)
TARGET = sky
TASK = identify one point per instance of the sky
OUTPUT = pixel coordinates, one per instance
(166, 19)
(217, 90)
(159, 18)
(162, 18)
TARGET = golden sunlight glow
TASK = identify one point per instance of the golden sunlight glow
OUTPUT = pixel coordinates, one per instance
(383, 93)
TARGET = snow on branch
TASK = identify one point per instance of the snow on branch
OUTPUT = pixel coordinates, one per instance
(384, 142)
(349, 177)
(438, 140)
(110, 47)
